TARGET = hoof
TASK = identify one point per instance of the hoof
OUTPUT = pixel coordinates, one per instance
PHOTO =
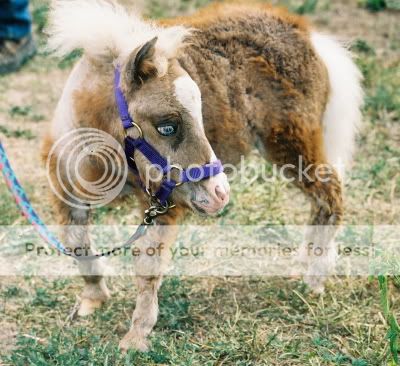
(88, 307)
(298, 267)
(133, 341)
(318, 272)
(315, 283)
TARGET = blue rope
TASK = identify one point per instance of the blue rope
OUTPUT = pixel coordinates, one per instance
(24, 204)
(26, 208)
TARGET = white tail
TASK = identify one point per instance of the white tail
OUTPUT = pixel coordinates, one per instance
(342, 117)
(103, 28)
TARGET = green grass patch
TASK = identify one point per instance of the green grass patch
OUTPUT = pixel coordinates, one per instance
(68, 61)
(174, 315)
(158, 8)
(379, 5)
(239, 322)
(11, 291)
(374, 5)
(362, 46)
(40, 15)
(17, 133)
(382, 84)
(307, 7)
(27, 112)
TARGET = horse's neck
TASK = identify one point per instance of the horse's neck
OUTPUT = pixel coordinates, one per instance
(221, 72)
(209, 68)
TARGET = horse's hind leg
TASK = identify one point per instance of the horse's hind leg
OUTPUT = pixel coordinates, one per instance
(319, 251)
(299, 147)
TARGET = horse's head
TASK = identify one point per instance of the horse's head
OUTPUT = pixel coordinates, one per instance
(166, 103)
(162, 98)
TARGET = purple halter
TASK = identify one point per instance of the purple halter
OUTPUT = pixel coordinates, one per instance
(153, 156)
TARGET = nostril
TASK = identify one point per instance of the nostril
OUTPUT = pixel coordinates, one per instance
(220, 193)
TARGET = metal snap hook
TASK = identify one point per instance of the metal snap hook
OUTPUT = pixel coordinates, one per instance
(149, 193)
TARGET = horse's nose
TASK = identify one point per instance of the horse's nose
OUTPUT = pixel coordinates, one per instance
(221, 193)
(212, 195)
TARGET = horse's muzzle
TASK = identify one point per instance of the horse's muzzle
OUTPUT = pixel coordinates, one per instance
(212, 195)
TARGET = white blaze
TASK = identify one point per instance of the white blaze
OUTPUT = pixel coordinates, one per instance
(188, 94)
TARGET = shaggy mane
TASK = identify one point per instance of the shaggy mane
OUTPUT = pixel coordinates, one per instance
(104, 28)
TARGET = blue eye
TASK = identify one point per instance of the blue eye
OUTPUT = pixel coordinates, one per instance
(167, 129)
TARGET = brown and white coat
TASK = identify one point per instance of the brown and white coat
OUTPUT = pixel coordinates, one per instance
(239, 76)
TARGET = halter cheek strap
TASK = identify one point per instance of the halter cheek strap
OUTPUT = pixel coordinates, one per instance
(167, 186)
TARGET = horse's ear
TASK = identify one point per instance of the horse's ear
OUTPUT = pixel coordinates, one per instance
(142, 65)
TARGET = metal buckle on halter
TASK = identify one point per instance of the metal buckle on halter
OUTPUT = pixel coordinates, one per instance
(138, 128)
(140, 135)
(180, 169)
(178, 184)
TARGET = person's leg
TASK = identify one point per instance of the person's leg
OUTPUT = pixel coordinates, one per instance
(15, 19)
(16, 43)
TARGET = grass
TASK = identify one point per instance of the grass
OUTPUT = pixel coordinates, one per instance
(379, 5)
(17, 133)
(308, 6)
(394, 328)
(211, 321)
(27, 112)
(158, 9)
(382, 84)
(9, 212)
(248, 331)
(374, 5)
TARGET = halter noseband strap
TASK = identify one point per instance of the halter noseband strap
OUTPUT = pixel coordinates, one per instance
(193, 174)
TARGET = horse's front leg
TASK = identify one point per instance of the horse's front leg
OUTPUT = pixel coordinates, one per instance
(149, 268)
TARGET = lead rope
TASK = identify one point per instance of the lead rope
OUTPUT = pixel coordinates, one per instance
(155, 210)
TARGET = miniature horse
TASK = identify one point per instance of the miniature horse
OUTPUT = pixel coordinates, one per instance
(216, 83)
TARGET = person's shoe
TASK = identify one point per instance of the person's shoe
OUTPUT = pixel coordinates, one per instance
(14, 53)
